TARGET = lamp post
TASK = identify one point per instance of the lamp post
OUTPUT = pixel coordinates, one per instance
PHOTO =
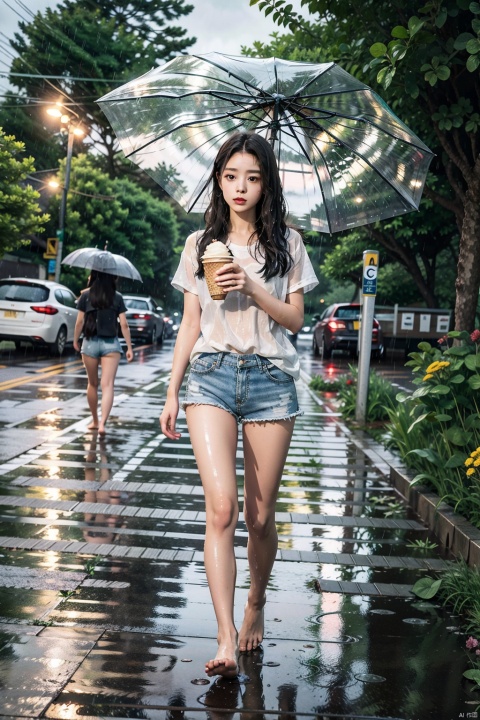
(72, 131)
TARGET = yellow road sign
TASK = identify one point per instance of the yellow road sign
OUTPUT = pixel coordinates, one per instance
(52, 246)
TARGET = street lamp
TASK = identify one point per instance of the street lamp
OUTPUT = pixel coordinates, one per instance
(73, 131)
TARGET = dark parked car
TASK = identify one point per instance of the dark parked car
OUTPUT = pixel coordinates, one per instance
(145, 318)
(337, 329)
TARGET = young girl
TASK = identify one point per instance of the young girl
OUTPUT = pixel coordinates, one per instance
(243, 369)
(99, 307)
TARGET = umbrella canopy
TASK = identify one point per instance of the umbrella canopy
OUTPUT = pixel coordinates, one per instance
(103, 261)
(345, 159)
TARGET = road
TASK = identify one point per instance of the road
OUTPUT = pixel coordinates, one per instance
(104, 605)
(18, 366)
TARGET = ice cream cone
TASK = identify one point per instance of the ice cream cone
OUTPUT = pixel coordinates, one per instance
(216, 256)
(210, 268)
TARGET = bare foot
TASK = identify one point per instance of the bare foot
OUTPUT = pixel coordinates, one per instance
(101, 429)
(93, 425)
(251, 633)
(224, 662)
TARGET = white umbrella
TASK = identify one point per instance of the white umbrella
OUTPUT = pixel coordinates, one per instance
(102, 261)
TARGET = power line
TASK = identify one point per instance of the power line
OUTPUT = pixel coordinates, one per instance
(61, 77)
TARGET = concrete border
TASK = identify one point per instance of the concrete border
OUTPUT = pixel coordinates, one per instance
(453, 531)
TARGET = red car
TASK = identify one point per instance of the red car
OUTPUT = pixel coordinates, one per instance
(337, 329)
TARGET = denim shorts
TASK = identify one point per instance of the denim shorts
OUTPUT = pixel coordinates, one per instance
(99, 346)
(249, 387)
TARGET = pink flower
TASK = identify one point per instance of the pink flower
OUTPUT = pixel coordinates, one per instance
(477, 652)
(471, 643)
(442, 340)
(475, 336)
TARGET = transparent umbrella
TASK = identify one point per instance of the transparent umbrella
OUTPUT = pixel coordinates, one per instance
(345, 159)
(103, 261)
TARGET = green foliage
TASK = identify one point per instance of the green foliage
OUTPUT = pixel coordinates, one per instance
(423, 545)
(103, 40)
(437, 428)
(426, 588)
(20, 214)
(426, 60)
(118, 212)
(320, 384)
(381, 396)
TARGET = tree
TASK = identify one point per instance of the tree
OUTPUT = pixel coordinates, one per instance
(112, 42)
(427, 61)
(117, 213)
(20, 214)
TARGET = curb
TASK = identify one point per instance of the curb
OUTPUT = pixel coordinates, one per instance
(454, 532)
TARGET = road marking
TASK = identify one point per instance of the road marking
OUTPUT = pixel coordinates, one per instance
(10, 384)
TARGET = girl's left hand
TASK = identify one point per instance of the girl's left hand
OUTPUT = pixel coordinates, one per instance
(233, 277)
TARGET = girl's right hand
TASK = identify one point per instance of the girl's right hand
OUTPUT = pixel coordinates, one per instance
(168, 419)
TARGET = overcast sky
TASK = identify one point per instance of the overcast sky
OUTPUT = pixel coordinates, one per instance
(221, 25)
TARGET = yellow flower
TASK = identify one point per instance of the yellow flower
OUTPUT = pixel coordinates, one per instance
(470, 471)
(434, 366)
(476, 463)
(475, 452)
(428, 376)
(469, 461)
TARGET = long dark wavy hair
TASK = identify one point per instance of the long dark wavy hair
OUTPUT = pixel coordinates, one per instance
(269, 239)
(102, 287)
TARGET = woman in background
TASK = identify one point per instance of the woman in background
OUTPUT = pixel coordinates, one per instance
(100, 307)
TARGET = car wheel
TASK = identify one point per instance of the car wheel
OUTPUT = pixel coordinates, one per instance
(161, 336)
(153, 336)
(18, 344)
(57, 347)
(315, 348)
(326, 351)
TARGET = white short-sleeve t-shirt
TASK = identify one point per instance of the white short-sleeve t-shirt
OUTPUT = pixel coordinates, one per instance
(237, 324)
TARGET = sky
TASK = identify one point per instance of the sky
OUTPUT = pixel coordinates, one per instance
(220, 25)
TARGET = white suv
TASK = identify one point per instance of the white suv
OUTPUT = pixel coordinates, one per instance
(37, 311)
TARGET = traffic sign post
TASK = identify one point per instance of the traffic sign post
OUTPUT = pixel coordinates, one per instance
(52, 249)
(369, 291)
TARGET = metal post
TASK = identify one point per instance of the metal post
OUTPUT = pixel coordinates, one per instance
(370, 268)
(63, 205)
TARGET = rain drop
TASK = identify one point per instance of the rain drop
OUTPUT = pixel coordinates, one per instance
(415, 621)
(186, 660)
(381, 611)
(270, 663)
(200, 681)
(370, 678)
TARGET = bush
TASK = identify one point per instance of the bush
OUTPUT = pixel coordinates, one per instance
(381, 396)
(437, 429)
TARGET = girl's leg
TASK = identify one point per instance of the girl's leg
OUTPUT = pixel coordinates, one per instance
(213, 433)
(265, 448)
(109, 370)
(91, 366)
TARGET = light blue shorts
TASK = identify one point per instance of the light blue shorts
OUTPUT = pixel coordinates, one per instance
(99, 346)
(249, 387)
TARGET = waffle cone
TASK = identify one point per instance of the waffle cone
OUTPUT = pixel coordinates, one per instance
(210, 268)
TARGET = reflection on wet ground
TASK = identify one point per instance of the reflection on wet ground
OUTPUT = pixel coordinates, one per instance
(104, 601)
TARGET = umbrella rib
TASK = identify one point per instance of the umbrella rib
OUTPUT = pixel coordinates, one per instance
(192, 123)
(217, 65)
(365, 160)
(309, 160)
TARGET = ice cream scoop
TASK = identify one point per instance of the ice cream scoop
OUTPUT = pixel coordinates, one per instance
(216, 256)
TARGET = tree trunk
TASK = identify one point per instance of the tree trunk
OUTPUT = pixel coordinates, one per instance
(468, 269)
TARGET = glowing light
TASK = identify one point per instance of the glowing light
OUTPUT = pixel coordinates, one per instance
(54, 112)
(359, 199)
(53, 184)
(416, 183)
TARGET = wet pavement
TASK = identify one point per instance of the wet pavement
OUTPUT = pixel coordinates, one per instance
(104, 605)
